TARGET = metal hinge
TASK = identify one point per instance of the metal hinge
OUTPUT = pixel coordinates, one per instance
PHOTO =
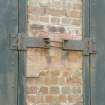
(88, 46)
(22, 42)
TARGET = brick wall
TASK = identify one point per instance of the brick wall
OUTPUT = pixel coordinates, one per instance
(54, 76)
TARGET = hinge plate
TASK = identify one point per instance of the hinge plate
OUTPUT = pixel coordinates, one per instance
(88, 46)
(22, 42)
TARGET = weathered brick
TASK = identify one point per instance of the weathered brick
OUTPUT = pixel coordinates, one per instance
(55, 12)
(73, 80)
(66, 90)
(55, 73)
(35, 99)
(54, 90)
(77, 6)
(72, 98)
(37, 27)
(67, 4)
(48, 99)
(55, 20)
(55, 5)
(76, 22)
(76, 90)
(37, 10)
(66, 21)
(34, 18)
(56, 29)
(66, 73)
(44, 19)
(43, 90)
(75, 14)
(32, 90)
(44, 3)
(44, 73)
(61, 81)
(32, 81)
(63, 98)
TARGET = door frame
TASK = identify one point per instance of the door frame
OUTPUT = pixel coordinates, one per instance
(88, 60)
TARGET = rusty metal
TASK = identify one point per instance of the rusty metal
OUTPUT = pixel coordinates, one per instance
(21, 42)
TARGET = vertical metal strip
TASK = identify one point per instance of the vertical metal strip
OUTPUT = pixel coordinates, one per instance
(92, 56)
(21, 58)
(92, 77)
(21, 95)
(86, 59)
(86, 80)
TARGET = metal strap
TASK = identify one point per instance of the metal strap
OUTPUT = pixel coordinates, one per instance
(22, 43)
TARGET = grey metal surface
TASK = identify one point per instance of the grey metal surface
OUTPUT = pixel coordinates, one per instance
(77, 45)
(86, 59)
(36, 42)
(100, 40)
(8, 58)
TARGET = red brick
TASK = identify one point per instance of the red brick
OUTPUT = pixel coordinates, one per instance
(54, 80)
(66, 73)
(43, 90)
(32, 90)
(77, 6)
(63, 98)
(37, 10)
(49, 99)
(75, 14)
(75, 98)
(55, 73)
(44, 19)
(76, 22)
(61, 81)
(32, 81)
(55, 12)
(54, 90)
(35, 99)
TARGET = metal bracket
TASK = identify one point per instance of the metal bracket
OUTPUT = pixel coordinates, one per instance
(88, 46)
(22, 42)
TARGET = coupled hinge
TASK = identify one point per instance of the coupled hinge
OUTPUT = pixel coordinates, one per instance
(89, 46)
(22, 42)
(16, 41)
